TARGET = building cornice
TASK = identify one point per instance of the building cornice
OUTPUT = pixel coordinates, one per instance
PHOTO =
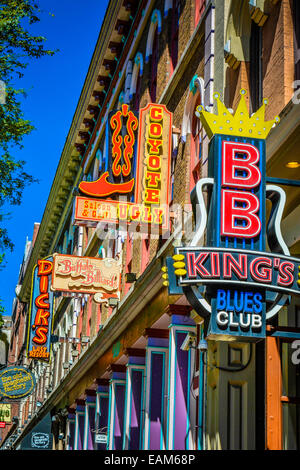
(69, 167)
(289, 123)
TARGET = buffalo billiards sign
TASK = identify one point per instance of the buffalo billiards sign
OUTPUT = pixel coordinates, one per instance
(244, 274)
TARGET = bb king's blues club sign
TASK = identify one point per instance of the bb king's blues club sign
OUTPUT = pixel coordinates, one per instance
(236, 282)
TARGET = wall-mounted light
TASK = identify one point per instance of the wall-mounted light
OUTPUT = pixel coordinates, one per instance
(202, 345)
(130, 278)
(293, 164)
(113, 302)
(54, 339)
(64, 412)
(85, 339)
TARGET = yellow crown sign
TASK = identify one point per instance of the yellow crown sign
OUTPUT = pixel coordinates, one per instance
(239, 123)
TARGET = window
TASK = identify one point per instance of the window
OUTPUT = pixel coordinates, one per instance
(137, 96)
(173, 165)
(154, 65)
(145, 252)
(255, 67)
(129, 246)
(196, 146)
(296, 18)
(152, 50)
(89, 316)
(136, 81)
(199, 9)
(174, 34)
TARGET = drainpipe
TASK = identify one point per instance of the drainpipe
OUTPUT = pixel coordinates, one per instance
(209, 73)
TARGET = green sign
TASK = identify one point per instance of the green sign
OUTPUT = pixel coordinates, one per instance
(16, 382)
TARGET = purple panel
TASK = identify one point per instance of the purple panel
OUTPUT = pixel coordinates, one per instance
(136, 360)
(156, 400)
(80, 418)
(181, 389)
(182, 320)
(91, 435)
(71, 434)
(158, 342)
(136, 406)
(102, 420)
(119, 416)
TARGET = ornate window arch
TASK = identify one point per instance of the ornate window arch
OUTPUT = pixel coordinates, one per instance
(128, 81)
(174, 34)
(196, 90)
(97, 164)
(120, 99)
(167, 7)
(137, 71)
(192, 125)
(156, 23)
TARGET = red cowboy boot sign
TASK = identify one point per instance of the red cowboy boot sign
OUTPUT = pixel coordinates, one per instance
(145, 181)
(118, 179)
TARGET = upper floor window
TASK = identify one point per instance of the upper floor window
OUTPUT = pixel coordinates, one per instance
(191, 126)
(136, 80)
(196, 145)
(174, 33)
(199, 9)
(152, 50)
(154, 66)
(137, 96)
(255, 67)
(296, 18)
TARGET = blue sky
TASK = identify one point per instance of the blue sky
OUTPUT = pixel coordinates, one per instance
(53, 87)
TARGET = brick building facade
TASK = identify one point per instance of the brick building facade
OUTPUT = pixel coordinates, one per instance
(109, 360)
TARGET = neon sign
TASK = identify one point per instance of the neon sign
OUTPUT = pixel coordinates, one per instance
(233, 282)
(154, 159)
(236, 268)
(239, 207)
(87, 275)
(92, 211)
(117, 179)
(151, 182)
(41, 311)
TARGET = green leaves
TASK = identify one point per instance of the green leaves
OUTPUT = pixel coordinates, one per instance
(16, 43)
(17, 47)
